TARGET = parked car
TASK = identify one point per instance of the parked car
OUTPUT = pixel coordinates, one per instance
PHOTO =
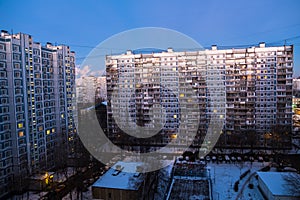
(233, 159)
(214, 158)
(251, 158)
(207, 158)
(267, 159)
(227, 159)
(220, 158)
(239, 158)
(202, 158)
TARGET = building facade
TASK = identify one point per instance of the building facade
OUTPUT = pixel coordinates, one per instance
(86, 86)
(36, 111)
(244, 90)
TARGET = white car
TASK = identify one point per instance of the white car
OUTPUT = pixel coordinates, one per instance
(214, 158)
(233, 158)
(227, 159)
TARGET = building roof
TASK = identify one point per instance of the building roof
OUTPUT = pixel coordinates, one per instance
(281, 183)
(126, 179)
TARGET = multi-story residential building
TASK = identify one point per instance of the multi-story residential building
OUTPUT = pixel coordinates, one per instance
(36, 111)
(86, 86)
(101, 90)
(296, 84)
(242, 90)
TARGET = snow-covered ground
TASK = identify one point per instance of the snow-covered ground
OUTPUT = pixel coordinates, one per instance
(224, 176)
(74, 195)
(29, 196)
(61, 175)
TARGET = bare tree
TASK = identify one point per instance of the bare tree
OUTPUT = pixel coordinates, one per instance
(292, 183)
(281, 135)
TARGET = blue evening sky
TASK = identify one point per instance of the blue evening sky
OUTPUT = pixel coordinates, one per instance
(84, 24)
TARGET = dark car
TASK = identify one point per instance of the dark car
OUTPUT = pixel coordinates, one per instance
(220, 158)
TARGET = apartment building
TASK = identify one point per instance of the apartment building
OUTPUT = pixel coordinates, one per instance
(240, 89)
(36, 111)
(86, 86)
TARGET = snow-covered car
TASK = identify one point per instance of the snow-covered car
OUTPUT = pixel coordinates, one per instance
(207, 158)
(233, 158)
(214, 158)
(227, 159)
(251, 158)
(202, 158)
(239, 158)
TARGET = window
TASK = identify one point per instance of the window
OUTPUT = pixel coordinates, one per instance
(2, 64)
(2, 56)
(20, 125)
(36, 51)
(16, 48)
(18, 91)
(17, 74)
(2, 74)
(16, 56)
(4, 109)
(4, 101)
(5, 118)
(18, 83)
(2, 46)
(19, 109)
(21, 133)
(19, 100)
(19, 116)
(17, 65)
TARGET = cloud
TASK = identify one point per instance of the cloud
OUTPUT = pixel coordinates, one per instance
(82, 71)
(87, 71)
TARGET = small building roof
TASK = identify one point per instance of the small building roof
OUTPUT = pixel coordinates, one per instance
(281, 183)
(126, 179)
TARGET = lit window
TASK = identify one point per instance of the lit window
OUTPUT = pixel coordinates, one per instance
(40, 128)
(174, 136)
(21, 133)
(181, 95)
(20, 125)
(53, 130)
(175, 116)
(48, 132)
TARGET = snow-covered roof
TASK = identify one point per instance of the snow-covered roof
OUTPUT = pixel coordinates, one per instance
(126, 179)
(279, 182)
